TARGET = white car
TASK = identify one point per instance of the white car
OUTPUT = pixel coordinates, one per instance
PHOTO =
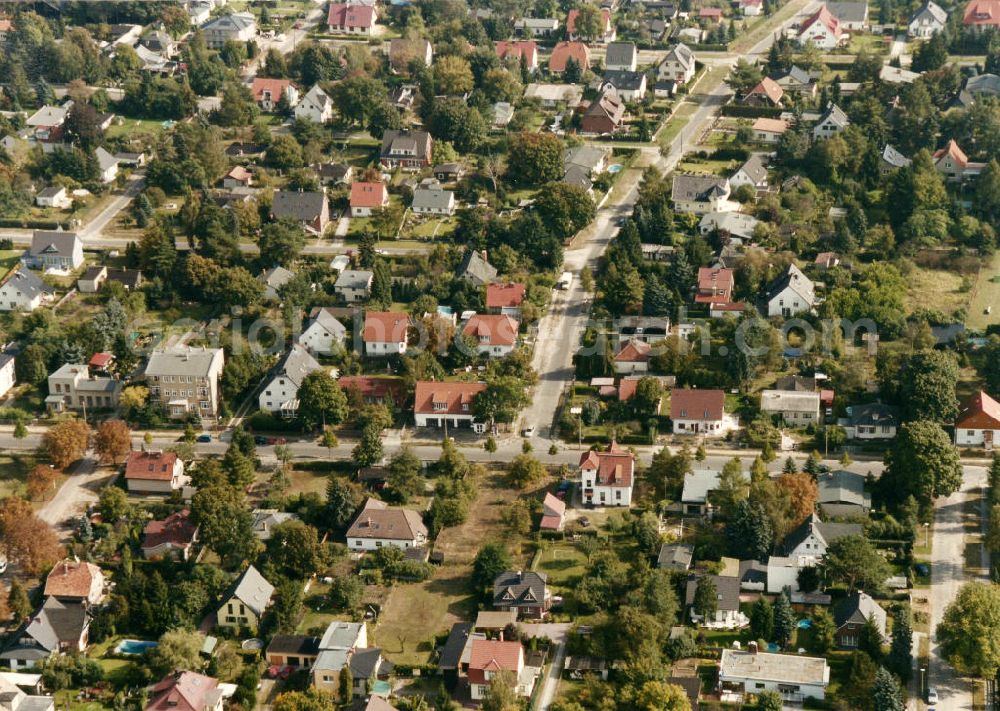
(932, 696)
(528, 431)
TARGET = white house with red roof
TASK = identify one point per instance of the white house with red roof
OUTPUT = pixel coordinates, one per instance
(954, 165)
(385, 333)
(173, 537)
(982, 14)
(155, 472)
(186, 691)
(822, 29)
(351, 19)
(608, 33)
(75, 580)
(367, 197)
(505, 299)
(495, 335)
(489, 658)
(978, 422)
(525, 51)
(435, 403)
(633, 357)
(700, 412)
(268, 92)
(607, 478)
(553, 513)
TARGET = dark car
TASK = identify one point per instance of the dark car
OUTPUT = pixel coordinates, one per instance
(204, 438)
(259, 439)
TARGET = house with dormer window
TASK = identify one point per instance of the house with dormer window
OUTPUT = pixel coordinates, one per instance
(607, 477)
(495, 335)
(438, 404)
(702, 412)
(409, 150)
(525, 592)
(379, 526)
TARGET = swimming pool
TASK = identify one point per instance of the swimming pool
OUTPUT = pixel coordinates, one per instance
(134, 646)
(615, 168)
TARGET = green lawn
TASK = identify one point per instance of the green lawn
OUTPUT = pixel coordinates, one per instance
(563, 563)
(9, 259)
(676, 123)
(985, 293)
(133, 127)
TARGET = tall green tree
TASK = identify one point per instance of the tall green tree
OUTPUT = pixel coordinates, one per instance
(886, 694)
(762, 619)
(969, 632)
(922, 463)
(854, 561)
(321, 401)
(900, 658)
(784, 620)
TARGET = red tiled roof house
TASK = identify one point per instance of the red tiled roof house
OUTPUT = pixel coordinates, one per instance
(72, 580)
(564, 51)
(607, 477)
(494, 335)
(185, 691)
(154, 472)
(351, 19)
(368, 197)
(505, 299)
(490, 657)
(436, 402)
(633, 357)
(268, 92)
(173, 537)
(385, 333)
(553, 513)
(978, 422)
(518, 50)
(700, 412)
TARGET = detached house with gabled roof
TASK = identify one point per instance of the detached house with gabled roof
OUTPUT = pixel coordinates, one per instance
(850, 616)
(564, 51)
(954, 165)
(505, 299)
(172, 537)
(927, 21)
(280, 395)
(59, 627)
(978, 422)
(605, 115)
(74, 580)
(349, 18)
(322, 332)
(436, 403)
(186, 691)
(982, 14)
(489, 658)
(354, 284)
(700, 194)
(767, 93)
(148, 472)
(621, 56)
(409, 150)
(633, 357)
(832, 122)
(678, 65)
(607, 478)
(52, 249)
(524, 592)
(525, 52)
(309, 209)
(495, 335)
(379, 526)
(243, 605)
(695, 411)
(268, 93)
(237, 27)
(22, 290)
(315, 106)
(822, 29)
(475, 269)
(791, 294)
(366, 198)
(385, 333)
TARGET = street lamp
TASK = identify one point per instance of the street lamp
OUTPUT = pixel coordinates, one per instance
(922, 671)
(927, 528)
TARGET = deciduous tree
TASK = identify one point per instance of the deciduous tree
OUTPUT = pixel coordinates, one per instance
(535, 158)
(969, 632)
(25, 538)
(321, 400)
(922, 463)
(525, 471)
(854, 561)
(66, 442)
(113, 441)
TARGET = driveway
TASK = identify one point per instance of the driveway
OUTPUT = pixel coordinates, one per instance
(557, 632)
(78, 491)
(947, 577)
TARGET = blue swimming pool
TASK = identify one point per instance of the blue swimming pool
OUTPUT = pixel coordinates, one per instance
(615, 168)
(134, 646)
(805, 623)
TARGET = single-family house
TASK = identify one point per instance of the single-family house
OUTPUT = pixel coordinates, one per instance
(297, 651)
(268, 93)
(505, 299)
(74, 580)
(553, 513)
(237, 27)
(54, 196)
(378, 525)
(727, 613)
(870, 421)
(494, 335)
(22, 290)
(851, 615)
(366, 198)
(607, 30)
(73, 387)
(521, 52)
(310, 209)
(322, 332)
(273, 279)
(605, 115)
(334, 173)
(172, 537)
(633, 357)
(348, 18)
(315, 106)
(769, 130)
(563, 52)
(927, 21)
(489, 658)
(403, 52)
(791, 294)
(734, 224)
(822, 29)
(795, 409)
(675, 556)
(107, 165)
(524, 592)
(554, 95)
(978, 422)
(280, 395)
(58, 627)
(830, 123)
(437, 403)
(696, 492)
(794, 677)
(701, 412)
(185, 379)
(8, 375)
(46, 124)
(628, 85)
(678, 65)
(433, 200)
(265, 520)
(607, 478)
(753, 172)
(890, 159)
(842, 494)
(186, 691)
(641, 328)
(372, 390)
(475, 269)
(751, 8)
(767, 93)
(56, 250)
(537, 26)
(851, 15)
(354, 284)
(237, 177)
(14, 697)
(385, 333)
(621, 56)
(406, 149)
(244, 603)
(809, 542)
(154, 472)
(700, 194)
(954, 165)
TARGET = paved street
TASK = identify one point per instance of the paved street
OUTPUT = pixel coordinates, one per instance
(947, 576)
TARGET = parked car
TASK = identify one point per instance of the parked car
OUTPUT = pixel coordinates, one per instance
(932, 696)
(204, 438)
(528, 431)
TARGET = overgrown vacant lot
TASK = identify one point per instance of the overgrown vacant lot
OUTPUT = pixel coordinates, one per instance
(414, 613)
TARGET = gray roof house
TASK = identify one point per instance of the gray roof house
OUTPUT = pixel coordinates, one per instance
(52, 249)
(59, 626)
(22, 290)
(813, 536)
(474, 268)
(621, 56)
(281, 392)
(873, 420)
(523, 591)
(244, 603)
(274, 279)
(354, 284)
(627, 84)
(853, 15)
(697, 486)
(842, 493)
(891, 159)
(850, 616)
(675, 556)
(753, 172)
(790, 294)
(264, 520)
(727, 588)
(831, 122)
(930, 19)
(311, 209)
(433, 201)
(322, 331)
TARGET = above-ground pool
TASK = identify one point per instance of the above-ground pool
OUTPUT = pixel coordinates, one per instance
(805, 623)
(772, 647)
(134, 646)
(615, 168)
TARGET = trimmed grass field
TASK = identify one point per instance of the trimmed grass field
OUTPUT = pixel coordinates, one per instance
(935, 289)
(985, 293)
(563, 562)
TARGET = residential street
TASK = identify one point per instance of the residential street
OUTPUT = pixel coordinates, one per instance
(80, 489)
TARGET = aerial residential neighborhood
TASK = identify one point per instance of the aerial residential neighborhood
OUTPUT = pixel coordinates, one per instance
(604, 355)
